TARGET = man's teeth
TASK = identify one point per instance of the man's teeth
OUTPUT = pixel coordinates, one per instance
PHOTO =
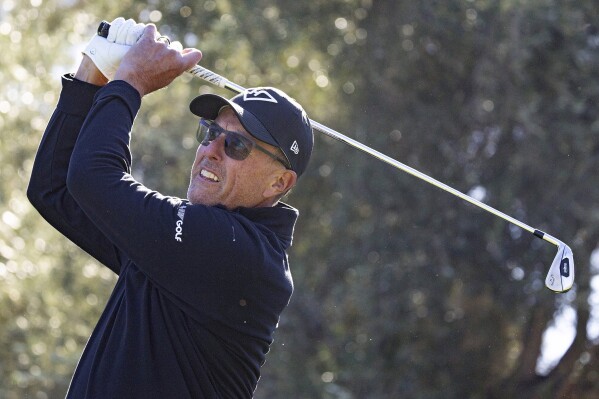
(208, 175)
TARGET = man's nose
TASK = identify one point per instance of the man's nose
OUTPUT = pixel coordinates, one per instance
(216, 147)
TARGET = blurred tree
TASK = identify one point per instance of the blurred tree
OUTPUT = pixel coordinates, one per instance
(401, 290)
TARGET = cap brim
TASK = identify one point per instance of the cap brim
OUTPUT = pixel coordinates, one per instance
(209, 105)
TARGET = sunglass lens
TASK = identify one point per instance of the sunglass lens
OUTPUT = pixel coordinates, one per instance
(235, 147)
(203, 133)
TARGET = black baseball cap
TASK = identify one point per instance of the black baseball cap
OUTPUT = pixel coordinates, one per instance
(269, 115)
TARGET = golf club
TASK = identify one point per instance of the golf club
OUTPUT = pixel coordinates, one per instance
(560, 277)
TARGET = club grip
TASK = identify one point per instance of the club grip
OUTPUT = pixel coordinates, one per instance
(103, 28)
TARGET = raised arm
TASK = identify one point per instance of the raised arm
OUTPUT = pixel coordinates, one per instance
(47, 189)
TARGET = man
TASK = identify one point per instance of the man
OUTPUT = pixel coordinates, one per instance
(202, 281)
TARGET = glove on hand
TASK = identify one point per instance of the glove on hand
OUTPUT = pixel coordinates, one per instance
(107, 53)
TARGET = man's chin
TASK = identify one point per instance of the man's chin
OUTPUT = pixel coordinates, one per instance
(198, 198)
(194, 200)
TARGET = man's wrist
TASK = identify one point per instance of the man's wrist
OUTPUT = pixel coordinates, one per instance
(88, 72)
(131, 78)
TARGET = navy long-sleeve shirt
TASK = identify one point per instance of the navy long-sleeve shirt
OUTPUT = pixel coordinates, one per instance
(200, 288)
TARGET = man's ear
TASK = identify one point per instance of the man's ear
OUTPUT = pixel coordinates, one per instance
(280, 182)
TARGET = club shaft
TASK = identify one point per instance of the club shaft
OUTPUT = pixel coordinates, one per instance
(561, 274)
(220, 81)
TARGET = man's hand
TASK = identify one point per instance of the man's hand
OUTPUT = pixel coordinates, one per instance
(151, 64)
(107, 53)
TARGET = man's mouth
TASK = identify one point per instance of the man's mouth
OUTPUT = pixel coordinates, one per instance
(209, 175)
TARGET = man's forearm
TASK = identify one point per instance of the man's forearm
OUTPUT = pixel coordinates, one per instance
(48, 178)
(88, 72)
(47, 189)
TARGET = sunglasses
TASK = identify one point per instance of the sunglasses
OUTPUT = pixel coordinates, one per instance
(237, 146)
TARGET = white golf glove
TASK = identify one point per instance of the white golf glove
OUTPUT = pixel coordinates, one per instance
(107, 53)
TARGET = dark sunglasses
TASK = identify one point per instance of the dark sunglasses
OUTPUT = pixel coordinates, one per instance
(237, 146)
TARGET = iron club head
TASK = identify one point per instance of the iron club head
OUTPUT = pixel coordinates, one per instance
(561, 274)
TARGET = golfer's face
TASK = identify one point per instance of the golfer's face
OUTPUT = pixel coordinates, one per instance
(217, 179)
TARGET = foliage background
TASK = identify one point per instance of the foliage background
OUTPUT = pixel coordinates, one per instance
(400, 290)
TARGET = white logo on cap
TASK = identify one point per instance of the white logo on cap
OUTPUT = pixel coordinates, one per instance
(295, 148)
(258, 95)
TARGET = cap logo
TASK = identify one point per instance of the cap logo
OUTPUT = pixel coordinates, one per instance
(295, 147)
(258, 95)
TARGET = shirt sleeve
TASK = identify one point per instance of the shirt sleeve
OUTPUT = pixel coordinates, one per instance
(47, 190)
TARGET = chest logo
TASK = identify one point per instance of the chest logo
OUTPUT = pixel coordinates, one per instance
(179, 223)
